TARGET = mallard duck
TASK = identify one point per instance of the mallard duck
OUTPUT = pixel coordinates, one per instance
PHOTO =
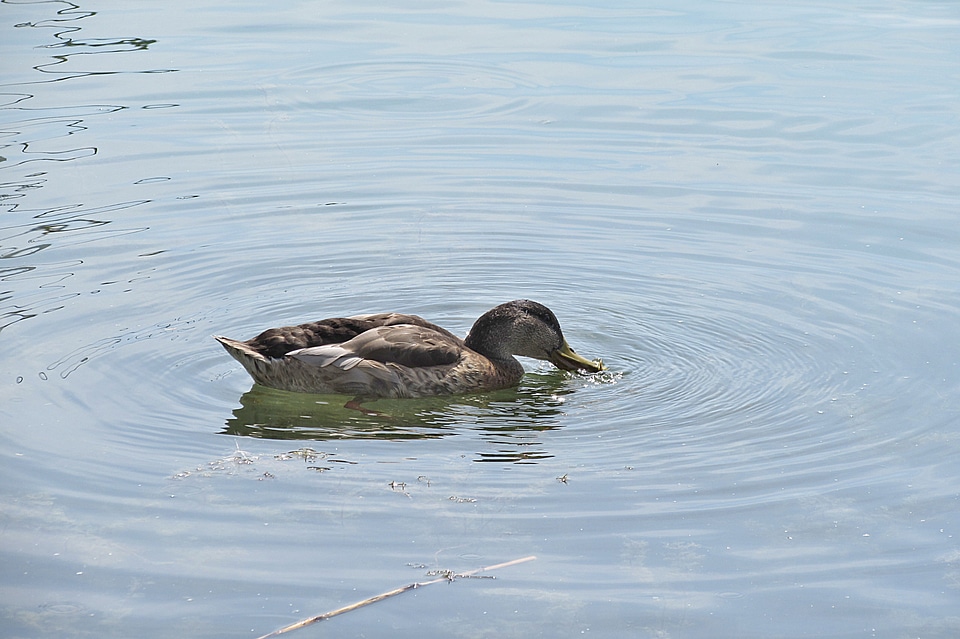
(395, 355)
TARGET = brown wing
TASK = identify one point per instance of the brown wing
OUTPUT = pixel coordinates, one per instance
(277, 342)
(404, 345)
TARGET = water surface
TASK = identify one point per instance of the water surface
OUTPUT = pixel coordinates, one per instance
(748, 212)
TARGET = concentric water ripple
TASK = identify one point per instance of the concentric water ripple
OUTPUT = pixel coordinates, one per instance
(746, 211)
(406, 88)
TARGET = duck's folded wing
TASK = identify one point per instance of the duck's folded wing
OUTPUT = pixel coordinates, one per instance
(329, 355)
(404, 345)
(277, 342)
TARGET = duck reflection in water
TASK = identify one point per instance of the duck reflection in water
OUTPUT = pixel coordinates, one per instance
(509, 420)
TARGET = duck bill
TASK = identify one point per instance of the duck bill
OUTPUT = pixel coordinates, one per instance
(565, 358)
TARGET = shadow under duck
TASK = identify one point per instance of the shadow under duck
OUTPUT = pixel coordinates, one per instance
(395, 355)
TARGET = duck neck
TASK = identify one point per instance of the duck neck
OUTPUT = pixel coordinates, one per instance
(510, 367)
(495, 352)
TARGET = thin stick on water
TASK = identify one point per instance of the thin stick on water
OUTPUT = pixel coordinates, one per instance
(386, 595)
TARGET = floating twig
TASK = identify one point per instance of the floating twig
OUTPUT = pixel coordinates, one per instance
(447, 576)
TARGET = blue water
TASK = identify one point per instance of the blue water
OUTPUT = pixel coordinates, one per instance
(748, 211)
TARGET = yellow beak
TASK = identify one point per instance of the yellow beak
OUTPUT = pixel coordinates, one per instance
(565, 358)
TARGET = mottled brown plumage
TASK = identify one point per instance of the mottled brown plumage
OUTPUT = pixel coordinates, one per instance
(395, 355)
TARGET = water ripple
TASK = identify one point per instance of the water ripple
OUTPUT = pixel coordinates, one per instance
(407, 88)
(747, 211)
